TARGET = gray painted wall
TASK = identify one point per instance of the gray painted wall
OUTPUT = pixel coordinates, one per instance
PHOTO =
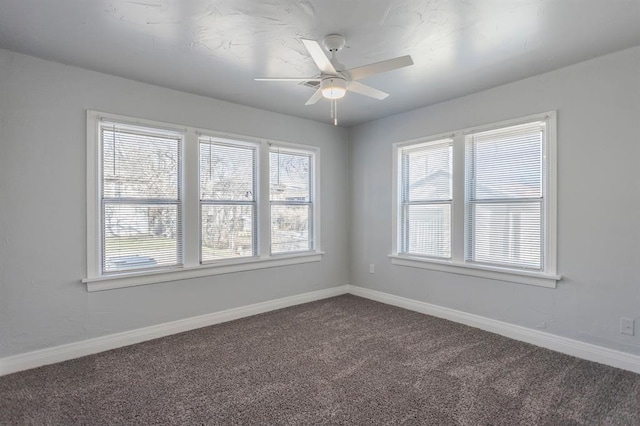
(43, 220)
(43, 203)
(598, 104)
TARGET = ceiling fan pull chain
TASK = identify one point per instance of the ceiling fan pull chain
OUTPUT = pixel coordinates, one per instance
(335, 112)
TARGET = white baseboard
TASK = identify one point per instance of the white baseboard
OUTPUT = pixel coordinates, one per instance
(69, 351)
(564, 345)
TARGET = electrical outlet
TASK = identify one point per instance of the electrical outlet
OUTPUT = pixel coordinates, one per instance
(372, 268)
(626, 326)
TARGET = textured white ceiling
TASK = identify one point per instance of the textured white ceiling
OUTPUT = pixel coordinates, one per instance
(215, 47)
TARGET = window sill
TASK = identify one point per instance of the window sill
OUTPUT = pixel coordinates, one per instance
(501, 274)
(108, 282)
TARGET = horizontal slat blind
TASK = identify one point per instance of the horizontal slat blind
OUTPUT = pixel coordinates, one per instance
(426, 173)
(140, 198)
(505, 196)
(227, 200)
(291, 199)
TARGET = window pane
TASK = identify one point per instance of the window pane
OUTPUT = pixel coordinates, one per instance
(428, 230)
(508, 234)
(507, 163)
(506, 166)
(139, 165)
(227, 172)
(428, 173)
(290, 229)
(140, 236)
(227, 231)
(289, 175)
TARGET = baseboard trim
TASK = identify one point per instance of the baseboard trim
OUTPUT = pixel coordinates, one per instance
(564, 345)
(20, 362)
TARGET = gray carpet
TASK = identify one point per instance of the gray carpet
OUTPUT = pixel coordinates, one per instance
(342, 361)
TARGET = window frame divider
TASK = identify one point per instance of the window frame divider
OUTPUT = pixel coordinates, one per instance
(264, 208)
(191, 210)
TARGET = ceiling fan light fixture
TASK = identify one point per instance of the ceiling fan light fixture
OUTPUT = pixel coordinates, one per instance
(333, 87)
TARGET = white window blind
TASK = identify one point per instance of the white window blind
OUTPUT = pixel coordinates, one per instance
(291, 200)
(425, 213)
(140, 198)
(505, 190)
(228, 206)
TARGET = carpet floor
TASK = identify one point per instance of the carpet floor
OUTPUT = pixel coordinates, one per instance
(339, 361)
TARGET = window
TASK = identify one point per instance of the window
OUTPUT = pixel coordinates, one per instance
(480, 202)
(168, 202)
(290, 198)
(228, 204)
(505, 196)
(426, 199)
(140, 198)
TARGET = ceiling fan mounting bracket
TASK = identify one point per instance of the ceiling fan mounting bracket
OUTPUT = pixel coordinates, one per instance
(333, 42)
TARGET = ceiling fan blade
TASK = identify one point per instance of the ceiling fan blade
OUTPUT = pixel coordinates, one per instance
(318, 56)
(286, 79)
(363, 89)
(379, 67)
(315, 97)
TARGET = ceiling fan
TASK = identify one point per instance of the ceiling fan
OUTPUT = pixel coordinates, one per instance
(334, 81)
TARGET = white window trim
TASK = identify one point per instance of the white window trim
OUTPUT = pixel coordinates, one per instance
(192, 268)
(457, 264)
(107, 282)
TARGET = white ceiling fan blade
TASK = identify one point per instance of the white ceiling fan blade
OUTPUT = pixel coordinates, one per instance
(318, 56)
(379, 67)
(315, 97)
(286, 79)
(363, 89)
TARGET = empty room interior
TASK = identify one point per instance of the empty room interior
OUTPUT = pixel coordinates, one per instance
(320, 212)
